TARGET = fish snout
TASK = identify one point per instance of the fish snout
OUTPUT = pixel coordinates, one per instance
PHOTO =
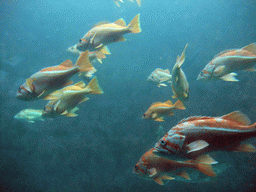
(82, 45)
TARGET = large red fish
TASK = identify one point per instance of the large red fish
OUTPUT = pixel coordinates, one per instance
(223, 65)
(195, 136)
(52, 78)
(150, 166)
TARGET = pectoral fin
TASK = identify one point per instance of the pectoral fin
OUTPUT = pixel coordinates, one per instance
(154, 115)
(41, 94)
(162, 84)
(197, 145)
(99, 46)
(229, 77)
(159, 119)
(92, 39)
(152, 172)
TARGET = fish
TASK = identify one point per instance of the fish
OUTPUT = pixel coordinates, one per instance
(102, 34)
(93, 55)
(152, 167)
(64, 101)
(224, 65)
(157, 110)
(199, 135)
(30, 115)
(117, 2)
(52, 78)
(180, 85)
(159, 76)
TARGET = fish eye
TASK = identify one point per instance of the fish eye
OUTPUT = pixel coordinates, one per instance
(44, 108)
(80, 40)
(135, 167)
(162, 142)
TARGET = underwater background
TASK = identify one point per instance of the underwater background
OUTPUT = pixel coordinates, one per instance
(97, 150)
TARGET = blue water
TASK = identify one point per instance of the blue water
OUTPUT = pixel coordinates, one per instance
(97, 150)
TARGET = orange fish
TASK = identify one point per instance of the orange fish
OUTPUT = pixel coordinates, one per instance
(52, 78)
(157, 110)
(102, 34)
(64, 101)
(224, 64)
(198, 135)
(152, 167)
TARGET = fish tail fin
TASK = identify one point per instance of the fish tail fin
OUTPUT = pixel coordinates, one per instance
(84, 62)
(179, 105)
(100, 56)
(245, 148)
(139, 2)
(134, 25)
(206, 169)
(94, 86)
(181, 59)
(117, 2)
(104, 50)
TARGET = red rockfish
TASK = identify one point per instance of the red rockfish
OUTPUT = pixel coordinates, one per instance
(198, 135)
(223, 65)
(150, 166)
(52, 78)
(102, 34)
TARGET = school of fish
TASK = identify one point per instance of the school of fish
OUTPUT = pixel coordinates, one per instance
(189, 144)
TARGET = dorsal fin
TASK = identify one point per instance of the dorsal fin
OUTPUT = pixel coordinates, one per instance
(120, 22)
(80, 84)
(251, 48)
(167, 71)
(156, 103)
(224, 52)
(100, 23)
(193, 118)
(238, 117)
(67, 63)
(168, 102)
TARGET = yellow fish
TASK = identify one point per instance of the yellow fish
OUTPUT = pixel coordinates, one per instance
(180, 86)
(102, 34)
(94, 55)
(157, 110)
(64, 101)
(30, 115)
